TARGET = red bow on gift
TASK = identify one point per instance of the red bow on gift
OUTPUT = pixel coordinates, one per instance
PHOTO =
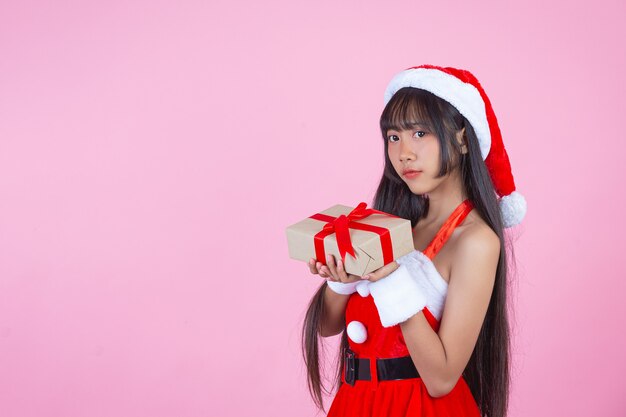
(341, 225)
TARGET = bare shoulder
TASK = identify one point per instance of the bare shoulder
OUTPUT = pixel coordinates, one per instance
(477, 238)
(477, 246)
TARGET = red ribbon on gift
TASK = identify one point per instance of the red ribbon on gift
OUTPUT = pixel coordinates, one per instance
(341, 227)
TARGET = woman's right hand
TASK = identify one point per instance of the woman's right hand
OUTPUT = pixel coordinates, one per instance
(331, 271)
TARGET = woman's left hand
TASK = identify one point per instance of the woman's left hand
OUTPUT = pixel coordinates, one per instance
(381, 272)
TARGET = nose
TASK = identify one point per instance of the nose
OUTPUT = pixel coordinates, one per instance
(406, 152)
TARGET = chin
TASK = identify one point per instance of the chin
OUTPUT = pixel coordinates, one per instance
(419, 190)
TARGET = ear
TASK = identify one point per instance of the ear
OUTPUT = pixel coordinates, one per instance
(460, 138)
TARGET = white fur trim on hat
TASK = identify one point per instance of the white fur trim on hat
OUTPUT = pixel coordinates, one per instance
(398, 296)
(464, 96)
(344, 288)
(513, 208)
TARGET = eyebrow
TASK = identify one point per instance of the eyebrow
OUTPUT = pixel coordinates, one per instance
(413, 125)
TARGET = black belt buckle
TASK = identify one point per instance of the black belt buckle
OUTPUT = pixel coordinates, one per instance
(350, 367)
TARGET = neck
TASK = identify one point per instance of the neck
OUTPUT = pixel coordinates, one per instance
(443, 200)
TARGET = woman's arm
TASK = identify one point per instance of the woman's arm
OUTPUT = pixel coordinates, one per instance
(441, 357)
(339, 286)
(333, 320)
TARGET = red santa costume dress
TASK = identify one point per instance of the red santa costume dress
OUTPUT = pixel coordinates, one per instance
(374, 343)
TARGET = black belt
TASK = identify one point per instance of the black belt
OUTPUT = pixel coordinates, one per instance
(356, 369)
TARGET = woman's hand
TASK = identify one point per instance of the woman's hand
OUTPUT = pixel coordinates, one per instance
(332, 272)
(381, 273)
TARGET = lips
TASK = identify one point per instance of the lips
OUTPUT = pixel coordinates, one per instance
(410, 173)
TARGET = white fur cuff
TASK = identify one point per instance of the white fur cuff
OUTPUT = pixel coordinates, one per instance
(344, 288)
(398, 296)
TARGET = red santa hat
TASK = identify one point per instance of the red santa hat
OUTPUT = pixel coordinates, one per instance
(461, 89)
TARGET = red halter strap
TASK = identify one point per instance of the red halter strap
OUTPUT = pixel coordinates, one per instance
(444, 233)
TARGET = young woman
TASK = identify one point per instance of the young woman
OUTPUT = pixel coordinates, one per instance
(427, 335)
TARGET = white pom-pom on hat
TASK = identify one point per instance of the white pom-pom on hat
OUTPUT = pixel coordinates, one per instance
(461, 89)
(513, 208)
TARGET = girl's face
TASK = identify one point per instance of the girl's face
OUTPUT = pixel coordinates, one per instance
(416, 149)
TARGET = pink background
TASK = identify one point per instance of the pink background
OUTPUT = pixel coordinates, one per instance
(152, 154)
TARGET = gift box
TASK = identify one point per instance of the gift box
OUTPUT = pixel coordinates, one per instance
(365, 239)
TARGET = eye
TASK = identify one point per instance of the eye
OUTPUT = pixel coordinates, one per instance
(393, 138)
(420, 134)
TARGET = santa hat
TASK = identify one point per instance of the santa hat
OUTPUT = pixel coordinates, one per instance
(461, 89)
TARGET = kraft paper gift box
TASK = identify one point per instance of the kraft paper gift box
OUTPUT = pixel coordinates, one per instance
(366, 239)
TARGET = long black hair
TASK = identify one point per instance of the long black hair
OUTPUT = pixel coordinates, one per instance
(488, 370)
